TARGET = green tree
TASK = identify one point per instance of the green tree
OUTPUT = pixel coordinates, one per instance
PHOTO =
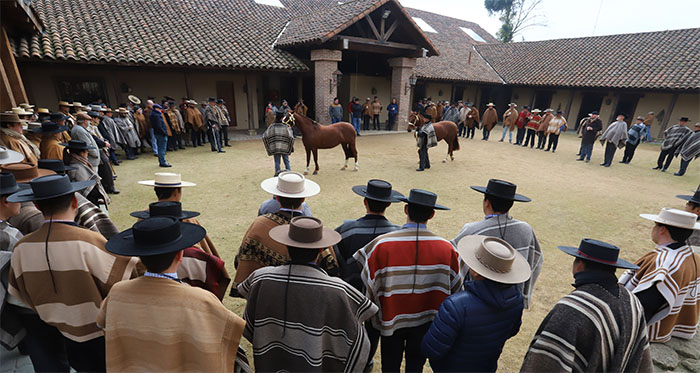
(515, 15)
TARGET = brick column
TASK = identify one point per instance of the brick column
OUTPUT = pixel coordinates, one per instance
(325, 64)
(401, 70)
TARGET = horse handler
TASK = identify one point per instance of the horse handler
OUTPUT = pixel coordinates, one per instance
(279, 142)
(426, 138)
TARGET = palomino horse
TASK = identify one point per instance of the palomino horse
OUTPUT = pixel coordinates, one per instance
(316, 136)
(444, 130)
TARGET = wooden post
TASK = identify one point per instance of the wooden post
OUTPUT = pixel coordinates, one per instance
(7, 100)
(667, 117)
(571, 101)
(250, 86)
(10, 70)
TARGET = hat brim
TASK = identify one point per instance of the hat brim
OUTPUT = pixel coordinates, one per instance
(67, 145)
(435, 206)
(519, 272)
(57, 130)
(658, 219)
(63, 168)
(13, 189)
(124, 243)
(183, 215)
(310, 188)
(688, 198)
(361, 190)
(517, 197)
(280, 234)
(152, 183)
(621, 263)
(28, 194)
(41, 172)
(13, 157)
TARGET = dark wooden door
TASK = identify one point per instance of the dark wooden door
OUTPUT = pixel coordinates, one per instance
(589, 102)
(224, 91)
(627, 105)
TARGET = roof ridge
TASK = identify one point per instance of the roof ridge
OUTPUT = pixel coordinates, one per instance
(590, 37)
(503, 81)
(442, 15)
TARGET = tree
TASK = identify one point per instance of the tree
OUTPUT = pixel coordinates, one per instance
(516, 15)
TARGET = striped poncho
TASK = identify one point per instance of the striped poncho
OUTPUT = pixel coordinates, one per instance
(591, 330)
(690, 148)
(409, 273)
(299, 319)
(278, 139)
(674, 136)
(676, 275)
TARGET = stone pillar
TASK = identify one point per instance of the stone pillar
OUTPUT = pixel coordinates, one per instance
(401, 70)
(325, 64)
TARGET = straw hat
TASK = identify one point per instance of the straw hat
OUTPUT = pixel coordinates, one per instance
(305, 232)
(536, 110)
(43, 110)
(493, 258)
(167, 180)
(675, 218)
(290, 184)
(25, 105)
(21, 111)
(64, 103)
(134, 100)
(490, 104)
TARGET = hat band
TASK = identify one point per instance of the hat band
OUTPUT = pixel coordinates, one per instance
(490, 267)
(579, 252)
(167, 184)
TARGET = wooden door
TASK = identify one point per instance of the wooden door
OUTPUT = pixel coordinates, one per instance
(224, 91)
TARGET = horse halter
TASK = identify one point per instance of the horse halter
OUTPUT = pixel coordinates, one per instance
(415, 120)
(290, 121)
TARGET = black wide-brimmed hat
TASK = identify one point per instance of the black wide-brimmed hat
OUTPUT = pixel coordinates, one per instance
(47, 187)
(50, 127)
(423, 198)
(695, 198)
(77, 144)
(8, 184)
(155, 236)
(165, 208)
(55, 165)
(378, 190)
(599, 252)
(501, 189)
(54, 117)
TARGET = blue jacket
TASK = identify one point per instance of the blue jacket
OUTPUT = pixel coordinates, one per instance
(472, 326)
(157, 123)
(393, 109)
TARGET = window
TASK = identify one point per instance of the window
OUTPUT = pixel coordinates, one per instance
(276, 3)
(473, 34)
(424, 25)
(82, 90)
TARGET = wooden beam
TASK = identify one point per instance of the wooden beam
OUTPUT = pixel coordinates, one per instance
(667, 117)
(7, 100)
(391, 30)
(372, 26)
(381, 28)
(355, 39)
(11, 70)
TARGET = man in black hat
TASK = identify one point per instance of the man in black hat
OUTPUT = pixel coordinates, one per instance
(60, 119)
(693, 206)
(300, 319)
(499, 197)
(689, 150)
(378, 195)
(51, 138)
(67, 284)
(225, 121)
(599, 327)
(156, 322)
(211, 122)
(408, 273)
(590, 128)
(673, 138)
(614, 137)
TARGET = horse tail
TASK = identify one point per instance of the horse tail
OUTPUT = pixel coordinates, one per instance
(455, 143)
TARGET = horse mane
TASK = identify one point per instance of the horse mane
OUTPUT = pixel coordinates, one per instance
(315, 123)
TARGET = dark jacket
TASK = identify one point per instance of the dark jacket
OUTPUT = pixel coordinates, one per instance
(157, 123)
(356, 110)
(472, 326)
(393, 109)
(590, 136)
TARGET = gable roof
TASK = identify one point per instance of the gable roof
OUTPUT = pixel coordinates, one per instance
(650, 60)
(454, 62)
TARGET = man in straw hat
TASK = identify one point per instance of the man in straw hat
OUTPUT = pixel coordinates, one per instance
(488, 121)
(667, 281)
(557, 125)
(689, 150)
(257, 249)
(615, 136)
(128, 132)
(64, 108)
(599, 327)
(156, 322)
(409, 273)
(193, 123)
(693, 206)
(299, 318)
(12, 138)
(509, 119)
(499, 196)
(80, 132)
(197, 268)
(472, 326)
(673, 139)
(63, 272)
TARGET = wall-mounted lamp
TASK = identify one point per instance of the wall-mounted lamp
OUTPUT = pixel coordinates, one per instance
(410, 84)
(374, 91)
(335, 80)
(386, 13)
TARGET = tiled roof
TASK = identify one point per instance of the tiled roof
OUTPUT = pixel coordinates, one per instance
(198, 33)
(651, 60)
(455, 46)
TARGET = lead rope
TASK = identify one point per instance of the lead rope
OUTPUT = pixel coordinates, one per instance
(46, 252)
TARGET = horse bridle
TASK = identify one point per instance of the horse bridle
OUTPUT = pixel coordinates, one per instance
(290, 119)
(415, 120)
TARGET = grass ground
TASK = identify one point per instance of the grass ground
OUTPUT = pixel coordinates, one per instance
(571, 199)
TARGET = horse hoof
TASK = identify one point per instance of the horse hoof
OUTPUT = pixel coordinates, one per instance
(444, 161)
(343, 168)
(315, 173)
(306, 172)
(356, 169)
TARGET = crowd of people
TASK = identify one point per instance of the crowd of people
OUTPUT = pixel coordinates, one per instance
(81, 295)
(543, 128)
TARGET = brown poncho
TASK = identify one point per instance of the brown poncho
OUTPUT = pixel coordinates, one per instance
(509, 118)
(490, 119)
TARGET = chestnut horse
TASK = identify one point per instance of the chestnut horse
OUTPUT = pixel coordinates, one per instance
(444, 130)
(317, 136)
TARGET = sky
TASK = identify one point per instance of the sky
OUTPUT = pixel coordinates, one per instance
(577, 18)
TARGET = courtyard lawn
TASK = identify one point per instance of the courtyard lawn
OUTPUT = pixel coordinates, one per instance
(571, 199)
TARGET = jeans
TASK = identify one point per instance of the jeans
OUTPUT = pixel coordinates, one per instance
(365, 122)
(510, 134)
(520, 135)
(470, 131)
(390, 123)
(462, 128)
(629, 152)
(214, 139)
(154, 144)
(610, 149)
(130, 152)
(284, 158)
(356, 124)
(486, 133)
(423, 158)
(408, 340)
(335, 120)
(375, 122)
(586, 151)
(648, 133)
(162, 144)
(553, 141)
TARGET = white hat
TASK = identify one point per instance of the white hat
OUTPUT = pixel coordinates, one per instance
(548, 110)
(494, 259)
(512, 104)
(536, 110)
(290, 184)
(10, 156)
(675, 218)
(167, 180)
(490, 104)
